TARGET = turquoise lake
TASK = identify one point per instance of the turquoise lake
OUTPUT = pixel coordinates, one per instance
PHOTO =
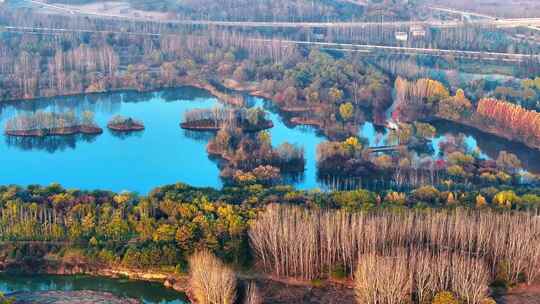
(164, 153)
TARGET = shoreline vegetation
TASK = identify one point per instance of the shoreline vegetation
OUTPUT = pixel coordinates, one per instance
(428, 99)
(280, 238)
(42, 124)
(346, 164)
(474, 120)
(125, 124)
(248, 158)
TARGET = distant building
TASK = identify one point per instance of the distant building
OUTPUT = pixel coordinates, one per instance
(417, 31)
(420, 33)
(402, 36)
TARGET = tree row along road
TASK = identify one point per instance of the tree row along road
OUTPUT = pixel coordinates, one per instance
(53, 31)
(417, 51)
(527, 22)
(365, 48)
(334, 46)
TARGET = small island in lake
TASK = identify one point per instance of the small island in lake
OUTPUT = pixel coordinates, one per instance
(249, 120)
(74, 297)
(41, 124)
(125, 124)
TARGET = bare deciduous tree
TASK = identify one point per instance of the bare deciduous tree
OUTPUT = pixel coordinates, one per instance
(210, 281)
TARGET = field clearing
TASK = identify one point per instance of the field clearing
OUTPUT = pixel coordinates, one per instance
(496, 8)
(117, 8)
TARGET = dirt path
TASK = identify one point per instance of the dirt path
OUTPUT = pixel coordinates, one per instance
(521, 295)
(274, 292)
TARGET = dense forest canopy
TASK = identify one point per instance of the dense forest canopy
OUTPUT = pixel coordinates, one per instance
(310, 235)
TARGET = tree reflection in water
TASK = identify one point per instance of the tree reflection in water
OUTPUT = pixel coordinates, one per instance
(125, 135)
(183, 93)
(491, 145)
(203, 137)
(50, 144)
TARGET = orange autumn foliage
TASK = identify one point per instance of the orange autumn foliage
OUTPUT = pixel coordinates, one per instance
(510, 117)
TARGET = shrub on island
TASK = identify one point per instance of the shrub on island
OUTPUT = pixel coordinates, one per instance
(125, 124)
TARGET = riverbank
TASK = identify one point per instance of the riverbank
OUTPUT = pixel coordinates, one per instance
(170, 280)
(273, 289)
(182, 82)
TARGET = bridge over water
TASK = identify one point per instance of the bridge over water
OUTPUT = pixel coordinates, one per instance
(386, 148)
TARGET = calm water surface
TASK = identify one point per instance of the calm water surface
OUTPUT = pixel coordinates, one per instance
(164, 153)
(161, 154)
(146, 292)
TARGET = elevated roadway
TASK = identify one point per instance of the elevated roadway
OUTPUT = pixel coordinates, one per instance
(486, 21)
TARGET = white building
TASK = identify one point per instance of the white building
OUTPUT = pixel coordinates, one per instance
(402, 36)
